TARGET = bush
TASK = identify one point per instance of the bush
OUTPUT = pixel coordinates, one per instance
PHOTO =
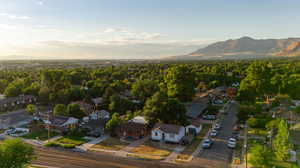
(56, 144)
(52, 144)
(68, 146)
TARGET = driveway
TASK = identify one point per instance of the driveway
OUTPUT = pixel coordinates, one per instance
(14, 119)
(219, 156)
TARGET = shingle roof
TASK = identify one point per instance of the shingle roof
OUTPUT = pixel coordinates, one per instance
(195, 109)
(168, 128)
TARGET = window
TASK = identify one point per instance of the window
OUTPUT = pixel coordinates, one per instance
(156, 134)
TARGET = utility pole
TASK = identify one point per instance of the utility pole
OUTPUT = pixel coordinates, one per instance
(246, 144)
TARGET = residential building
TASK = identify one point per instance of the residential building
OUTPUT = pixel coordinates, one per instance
(167, 132)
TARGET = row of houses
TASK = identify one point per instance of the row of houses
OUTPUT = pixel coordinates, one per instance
(138, 128)
(12, 102)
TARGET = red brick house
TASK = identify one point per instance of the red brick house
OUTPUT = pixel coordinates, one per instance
(136, 128)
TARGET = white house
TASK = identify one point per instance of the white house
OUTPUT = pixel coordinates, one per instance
(167, 132)
(194, 128)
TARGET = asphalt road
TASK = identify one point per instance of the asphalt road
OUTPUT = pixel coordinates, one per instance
(219, 155)
(14, 119)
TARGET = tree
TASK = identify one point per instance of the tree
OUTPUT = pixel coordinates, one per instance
(180, 82)
(15, 154)
(261, 156)
(60, 110)
(113, 123)
(281, 142)
(119, 105)
(160, 108)
(31, 109)
(74, 110)
(14, 88)
(143, 89)
(257, 82)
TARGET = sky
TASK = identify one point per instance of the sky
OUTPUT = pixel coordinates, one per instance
(136, 29)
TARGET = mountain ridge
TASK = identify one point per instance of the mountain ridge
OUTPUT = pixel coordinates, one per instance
(246, 47)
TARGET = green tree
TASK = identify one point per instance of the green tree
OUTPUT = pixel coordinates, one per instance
(31, 109)
(281, 142)
(180, 82)
(15, 154)
(261, 156)
(257, 82)
(113, 123)
(74, 110)
(143, 89)
(60, 110)
(160, 108)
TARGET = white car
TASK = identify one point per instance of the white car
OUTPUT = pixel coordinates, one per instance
(231, 143)
(214, 133)
(217, 127)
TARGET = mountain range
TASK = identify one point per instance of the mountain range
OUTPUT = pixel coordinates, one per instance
(245, 48)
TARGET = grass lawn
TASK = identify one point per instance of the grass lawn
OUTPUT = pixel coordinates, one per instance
(75, 140)
(186, 153)
(111, 143)
(41, 134)
(281, 164)
(259, 132)
(153, 150)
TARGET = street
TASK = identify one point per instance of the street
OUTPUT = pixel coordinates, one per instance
(14, 119)
(219, 156)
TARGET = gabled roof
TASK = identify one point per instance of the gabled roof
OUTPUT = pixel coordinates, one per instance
(139, 119)
(97, 100)
(168, 128)
(194, 110)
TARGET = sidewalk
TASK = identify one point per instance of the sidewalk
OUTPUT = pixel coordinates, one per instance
(91, 143)
(173, 156)
(123, 152)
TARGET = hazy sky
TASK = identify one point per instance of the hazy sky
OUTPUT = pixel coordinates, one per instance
(46, 29)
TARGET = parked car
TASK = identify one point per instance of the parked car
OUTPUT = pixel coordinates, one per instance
(231, 143)
(207, 143)
(213, 133)
(217, 126)
(209, 117)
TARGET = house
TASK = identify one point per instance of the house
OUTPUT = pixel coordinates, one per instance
(136, 128)
(99, 114)
(167, 132)
(195, 110)
(97, 101)
(95, 127)
(12, 102)
(194, 128)
(60, 123)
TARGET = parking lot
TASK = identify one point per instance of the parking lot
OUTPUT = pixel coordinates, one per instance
(219, 155)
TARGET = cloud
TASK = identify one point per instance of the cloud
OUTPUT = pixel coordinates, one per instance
(40, 2)
(14, 17)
